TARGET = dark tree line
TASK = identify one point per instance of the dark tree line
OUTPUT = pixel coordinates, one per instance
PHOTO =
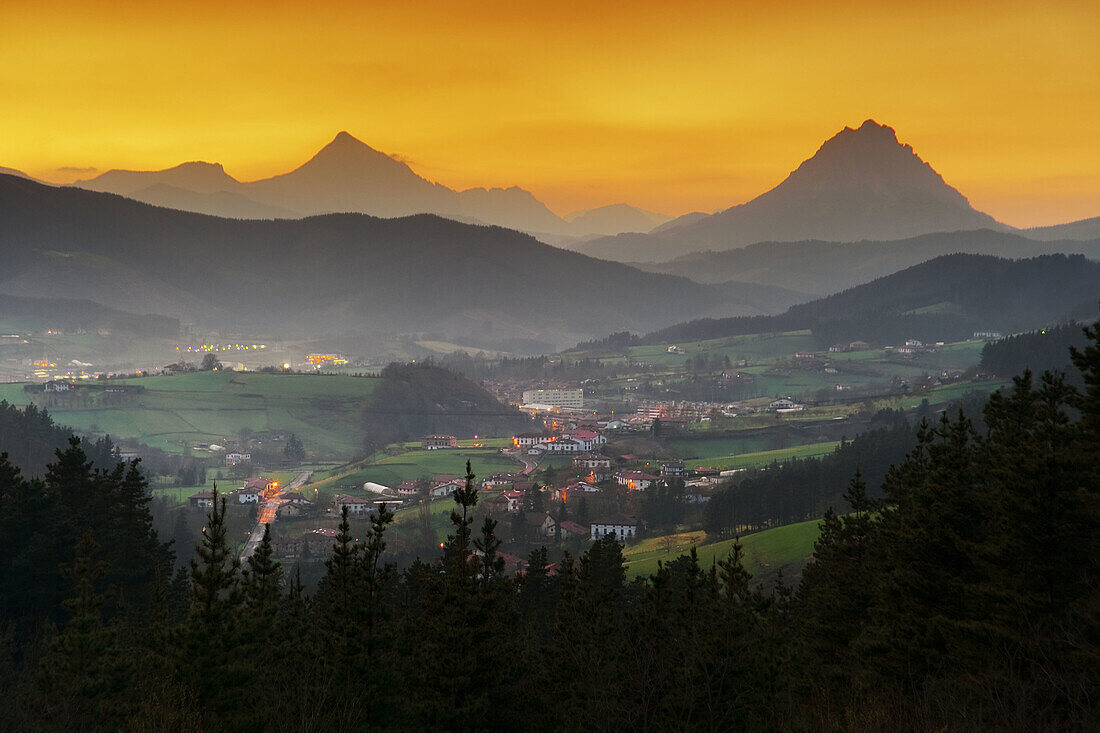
(1039, 351)
(966, 597)
(30, 439)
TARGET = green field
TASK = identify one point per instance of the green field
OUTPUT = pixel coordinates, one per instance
(774, 371)
(764, 458)
(785, 548)
(756, 348)
(190, 411)
(415, 464)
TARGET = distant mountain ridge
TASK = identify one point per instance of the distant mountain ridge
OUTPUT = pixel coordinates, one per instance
(861, 184)
(1082, 230)
(946, 298)
(829, 267)
(340, 273)
(345, 176)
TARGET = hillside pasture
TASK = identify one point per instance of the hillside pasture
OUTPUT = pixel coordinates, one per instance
(187, 412)
(784, 548)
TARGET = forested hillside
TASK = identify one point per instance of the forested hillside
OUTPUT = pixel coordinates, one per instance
(333, 274)
(419, 399)
(73, 315)
(944, 299)
(1039, 351)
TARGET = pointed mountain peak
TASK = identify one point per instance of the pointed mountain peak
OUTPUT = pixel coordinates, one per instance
(345, 141)
(344, 137)
(872, 126)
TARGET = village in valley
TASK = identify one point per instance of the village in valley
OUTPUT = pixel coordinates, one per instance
(600, 456)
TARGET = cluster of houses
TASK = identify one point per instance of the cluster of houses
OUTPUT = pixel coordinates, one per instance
(577, 440)
(254, 491)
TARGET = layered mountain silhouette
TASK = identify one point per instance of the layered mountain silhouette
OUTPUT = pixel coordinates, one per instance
(945, 298)
(828, 267)
(1082, 230)
(347, 175)
(861, 184)
(615, 218)
(339, 273)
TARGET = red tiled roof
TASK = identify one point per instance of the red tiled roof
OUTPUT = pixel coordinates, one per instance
(574, 528)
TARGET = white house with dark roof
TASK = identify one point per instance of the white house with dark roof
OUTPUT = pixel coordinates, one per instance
(620, 526)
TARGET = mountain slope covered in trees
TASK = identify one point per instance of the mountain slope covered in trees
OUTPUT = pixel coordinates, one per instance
(330, 274)
(829, 267)
(947, 298)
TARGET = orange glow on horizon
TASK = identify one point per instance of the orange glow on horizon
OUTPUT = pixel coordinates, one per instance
(698, 105)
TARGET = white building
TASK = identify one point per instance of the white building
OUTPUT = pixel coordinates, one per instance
(355, 506)
(232, 459)
(619, 525)
(568, 398)
(635, 480)
(248, 496)
(530, 440)
(447, 488)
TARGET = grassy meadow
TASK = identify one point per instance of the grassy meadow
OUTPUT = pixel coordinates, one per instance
(783, 548)
(188, 411)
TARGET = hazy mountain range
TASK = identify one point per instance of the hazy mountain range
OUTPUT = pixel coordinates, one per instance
(827, 267)
(862, 184)
(348, 175)
(335, 273)
(945, 298)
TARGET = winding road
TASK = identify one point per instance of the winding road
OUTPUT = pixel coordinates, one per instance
(268, 511)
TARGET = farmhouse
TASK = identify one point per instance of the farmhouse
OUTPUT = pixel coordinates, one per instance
(447, 488)
(635, 480)
(597, 467)
(408, 488)
(530, 440)
(232, 459)
(248, 496)
(354, 505)
(257, 483)
(501, 479)
(434, 442)
(572, 529)
(620, 526)
(541, 522)
(673, 468)
(296, 506)
(577, 487)
(201, 501)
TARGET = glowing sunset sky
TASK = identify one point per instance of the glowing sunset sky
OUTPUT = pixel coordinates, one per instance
(669, 106)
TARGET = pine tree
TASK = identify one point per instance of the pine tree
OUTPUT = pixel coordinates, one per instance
(456, 555)
(490, 566)
(80, 670)
(262, 583)
(208, 660)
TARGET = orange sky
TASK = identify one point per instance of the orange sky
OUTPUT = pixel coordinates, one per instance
(670, 106)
